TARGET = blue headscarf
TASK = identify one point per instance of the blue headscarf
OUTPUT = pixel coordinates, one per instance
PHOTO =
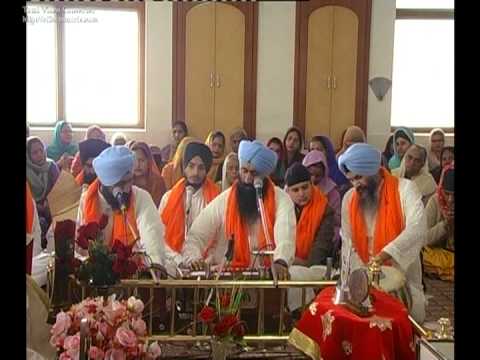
(334, 173)
(361, 159)
(56, 149)
(396, 160)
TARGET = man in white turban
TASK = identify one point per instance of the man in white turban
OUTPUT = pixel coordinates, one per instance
(132, 215)
(233, 216)
(383, 220)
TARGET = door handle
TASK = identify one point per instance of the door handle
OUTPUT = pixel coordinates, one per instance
(211, 79)
(329, 82)
(218, 80)
(334, 82)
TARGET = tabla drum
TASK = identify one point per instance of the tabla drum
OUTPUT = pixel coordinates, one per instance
(393, 281)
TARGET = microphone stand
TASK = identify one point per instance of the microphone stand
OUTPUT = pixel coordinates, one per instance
(261, 208)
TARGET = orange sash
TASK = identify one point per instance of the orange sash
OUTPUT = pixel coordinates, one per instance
(236, 227)
(79, 178)
(389, 224)
(310, 220)
(173, 216)
(126, 233)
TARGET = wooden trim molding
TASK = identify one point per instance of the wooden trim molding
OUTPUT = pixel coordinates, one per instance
(425, 14)
(363, 9)
(250, 10)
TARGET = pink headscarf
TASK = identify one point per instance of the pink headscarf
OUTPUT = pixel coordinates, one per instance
(92, 128)
(316, 157)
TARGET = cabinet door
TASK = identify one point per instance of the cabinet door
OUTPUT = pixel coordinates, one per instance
(229, 68)
(200, 69)
(344, 71)
(319, 71)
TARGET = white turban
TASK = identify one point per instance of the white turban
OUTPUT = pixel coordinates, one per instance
(261, 157)
(113, 164)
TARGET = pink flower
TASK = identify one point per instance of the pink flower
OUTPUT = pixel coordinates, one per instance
(139, 326)
(72, 345)
(135, 305)
(62, 324)
(114, 311)
(95, 353)
(57, 340)
(154, 350)
(115, 354)
(125, 337)
(64, 356)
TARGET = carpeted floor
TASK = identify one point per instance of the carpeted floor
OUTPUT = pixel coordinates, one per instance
(440, 300)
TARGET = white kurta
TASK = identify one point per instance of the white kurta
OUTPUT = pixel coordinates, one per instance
(210, 224)
(197, 205)
(148, 223)
(405, 249)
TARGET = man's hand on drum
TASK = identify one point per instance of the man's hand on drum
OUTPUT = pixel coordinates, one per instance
(382, 257)
(197, 265)
(282, 270)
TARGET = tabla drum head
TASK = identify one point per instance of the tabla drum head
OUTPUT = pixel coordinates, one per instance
(358, 285)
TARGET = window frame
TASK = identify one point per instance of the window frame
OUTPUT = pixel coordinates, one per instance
(139, 8)
(425, 14)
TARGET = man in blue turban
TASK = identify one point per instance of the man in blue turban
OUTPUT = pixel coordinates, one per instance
(113, 193)
(383, 220)
(232, 219)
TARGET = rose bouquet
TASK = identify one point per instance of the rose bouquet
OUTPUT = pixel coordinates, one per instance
(115, 330)
(105, 265)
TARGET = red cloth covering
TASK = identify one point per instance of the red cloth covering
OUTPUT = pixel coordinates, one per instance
(332, 332)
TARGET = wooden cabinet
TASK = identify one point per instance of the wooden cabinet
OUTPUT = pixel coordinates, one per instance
(214, 66)
(331, 66)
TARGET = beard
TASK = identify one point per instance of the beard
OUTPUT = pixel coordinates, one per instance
(247, 201)
(369, 194)
(110, 199)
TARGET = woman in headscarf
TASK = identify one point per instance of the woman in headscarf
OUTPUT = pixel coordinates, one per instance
(179, 131)
(62, 149)
(216, 142)
(42, 173)
(118, 138)
(292, 146)
(172, 172)
(403, 138)
(145, 172)
(278, 175)
(388, 151)
(447, 157)
(439, 254)
(93, 132)
(325, 145)
(230, 171)
(352, 135)
(436, 141)
(316, 163)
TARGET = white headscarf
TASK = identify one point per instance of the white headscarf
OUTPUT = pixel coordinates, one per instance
(225, 183)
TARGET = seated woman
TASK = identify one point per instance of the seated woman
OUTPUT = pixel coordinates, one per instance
(93, 132)
(62, 149)
(293, 147)
(446, 158)
(278, 175)
(172, 171)
(42, 173)
(229, 171)
(118, 138)
(145, 172)
(216, 142)
(403, 138)
(438, 255)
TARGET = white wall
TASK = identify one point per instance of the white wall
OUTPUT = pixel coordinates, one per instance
(275, 73)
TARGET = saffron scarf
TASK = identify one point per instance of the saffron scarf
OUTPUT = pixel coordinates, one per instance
(389, 224)
(125, 233)
(173, 215)
(237, 228)
(310, 220)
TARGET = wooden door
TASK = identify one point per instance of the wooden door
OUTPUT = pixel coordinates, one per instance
(200, 70)
(319, 72)
(229, 68)
(344, 71)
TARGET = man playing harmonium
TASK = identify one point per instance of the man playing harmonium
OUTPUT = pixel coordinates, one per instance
(183, 203)
(315, 231)
(382, 220)
(233, 215)
(132, 215)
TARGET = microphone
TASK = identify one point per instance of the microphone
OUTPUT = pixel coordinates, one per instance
(258, 185)
(121, 198)
(188, 198)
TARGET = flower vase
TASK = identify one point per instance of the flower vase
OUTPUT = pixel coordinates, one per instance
(221, 349)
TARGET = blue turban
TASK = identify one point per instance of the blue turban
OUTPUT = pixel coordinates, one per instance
(261, 157)
(361, 159)
(113, 164)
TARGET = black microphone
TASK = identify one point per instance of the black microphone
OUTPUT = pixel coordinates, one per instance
(258, 185)
(121, 198)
